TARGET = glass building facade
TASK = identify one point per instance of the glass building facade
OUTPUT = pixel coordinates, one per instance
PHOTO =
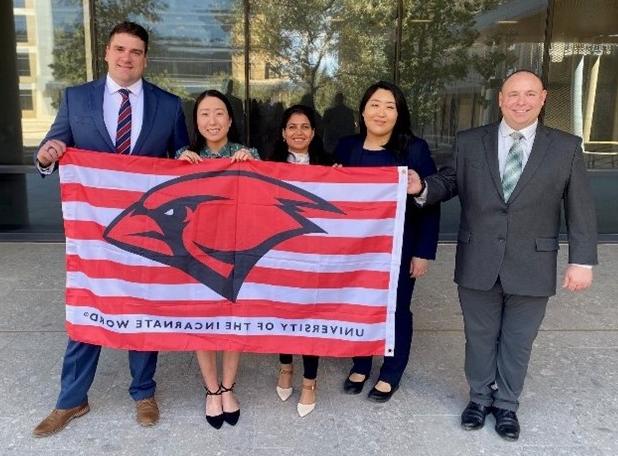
(449, 57)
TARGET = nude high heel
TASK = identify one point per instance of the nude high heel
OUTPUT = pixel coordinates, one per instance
(284, 393)
(306, 409)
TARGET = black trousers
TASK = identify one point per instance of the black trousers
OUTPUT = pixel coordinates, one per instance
(394, 366)
(500, 329)
(310, 364)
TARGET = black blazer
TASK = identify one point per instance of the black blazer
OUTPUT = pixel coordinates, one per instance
(422, 225)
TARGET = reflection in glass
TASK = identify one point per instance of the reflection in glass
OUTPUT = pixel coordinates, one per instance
(194, 45)
(455, 56)
(583, 77)
(52, 59)
(308, 52)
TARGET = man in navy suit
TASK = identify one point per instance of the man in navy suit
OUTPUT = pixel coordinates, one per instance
(92, 116)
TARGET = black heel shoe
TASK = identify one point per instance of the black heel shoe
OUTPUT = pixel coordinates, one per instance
(230, 418)
(217, 420)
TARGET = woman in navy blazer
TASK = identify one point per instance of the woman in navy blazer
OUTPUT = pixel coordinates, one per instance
(386, 139)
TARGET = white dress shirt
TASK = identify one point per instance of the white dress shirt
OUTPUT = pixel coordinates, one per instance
(111, 105)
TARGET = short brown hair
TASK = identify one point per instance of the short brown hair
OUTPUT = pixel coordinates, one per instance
(132, 29)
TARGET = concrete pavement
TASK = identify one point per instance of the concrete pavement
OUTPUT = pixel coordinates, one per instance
(569, 405)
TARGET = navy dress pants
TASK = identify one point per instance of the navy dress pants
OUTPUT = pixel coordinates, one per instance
(80, 365)
(394, 366)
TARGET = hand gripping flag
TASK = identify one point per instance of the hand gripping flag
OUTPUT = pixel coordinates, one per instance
(256, 256)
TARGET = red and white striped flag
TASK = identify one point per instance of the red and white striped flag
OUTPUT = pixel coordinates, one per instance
(256, 256)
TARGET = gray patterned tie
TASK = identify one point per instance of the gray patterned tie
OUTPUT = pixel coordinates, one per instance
(513, 167)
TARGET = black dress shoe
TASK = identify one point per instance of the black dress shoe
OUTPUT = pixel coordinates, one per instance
(376, 395)
(507, 424)
(350, 387)
(473, 416)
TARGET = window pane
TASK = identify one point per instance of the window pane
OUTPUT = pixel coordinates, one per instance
(21, 30)
(26, 100)
(454, 59)
(308, 52)
(583, 77)
(23, 65)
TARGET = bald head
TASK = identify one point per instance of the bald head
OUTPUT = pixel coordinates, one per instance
(521, 99)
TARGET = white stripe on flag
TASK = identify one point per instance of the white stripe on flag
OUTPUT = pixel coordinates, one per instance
(199, 292)
(121, 180)
(224, 325)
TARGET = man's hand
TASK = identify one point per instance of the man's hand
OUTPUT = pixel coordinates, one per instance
(415, 185)
(50, 152)
(418, 267)
(577, 278)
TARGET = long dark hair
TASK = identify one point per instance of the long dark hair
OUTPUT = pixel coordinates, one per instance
(402, 132)
(317, 154)
(198, 142)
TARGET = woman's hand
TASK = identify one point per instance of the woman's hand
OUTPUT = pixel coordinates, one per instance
(418, 267)
(190, 156)
(241, 155)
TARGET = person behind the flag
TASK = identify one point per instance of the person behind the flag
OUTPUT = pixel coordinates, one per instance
(215, 133)
(118, 113)
(386, 139)
(216, 136)
(299, 144)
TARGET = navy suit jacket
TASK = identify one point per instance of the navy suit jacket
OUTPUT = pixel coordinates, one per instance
(422, 225)
(79, 122)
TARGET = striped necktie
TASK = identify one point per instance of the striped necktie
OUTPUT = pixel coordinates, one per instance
(513, 166)
(123, 131)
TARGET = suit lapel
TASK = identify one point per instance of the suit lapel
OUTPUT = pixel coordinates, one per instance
(150, 111)
(490, 144)
(537, 156)
(96, 107)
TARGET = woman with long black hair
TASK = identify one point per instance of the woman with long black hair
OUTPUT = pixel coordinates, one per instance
(386, 139)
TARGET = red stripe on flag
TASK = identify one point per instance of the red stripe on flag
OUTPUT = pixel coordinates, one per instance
(103, 269)
(117, 199)
(284, 171)
(319, 245)
(255, 344)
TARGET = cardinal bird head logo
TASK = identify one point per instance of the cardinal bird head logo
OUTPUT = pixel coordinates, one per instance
(215, 226)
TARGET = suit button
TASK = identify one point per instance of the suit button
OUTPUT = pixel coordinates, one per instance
(500, 240)
(505, 210)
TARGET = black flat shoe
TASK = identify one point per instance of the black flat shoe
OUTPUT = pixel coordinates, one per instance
(473, 416)
(350, 387)
(507, 424)
(376, 395)
(230, 418)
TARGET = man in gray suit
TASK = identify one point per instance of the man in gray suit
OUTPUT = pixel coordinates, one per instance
(512, 178)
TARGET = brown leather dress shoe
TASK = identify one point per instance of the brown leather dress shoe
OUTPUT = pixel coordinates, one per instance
(58, 419)
(147, 411)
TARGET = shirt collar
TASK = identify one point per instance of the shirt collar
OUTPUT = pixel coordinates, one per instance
(528, 132)
(113, 87)
(298, 158)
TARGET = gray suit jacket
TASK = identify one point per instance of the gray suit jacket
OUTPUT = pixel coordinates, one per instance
(517, 240)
